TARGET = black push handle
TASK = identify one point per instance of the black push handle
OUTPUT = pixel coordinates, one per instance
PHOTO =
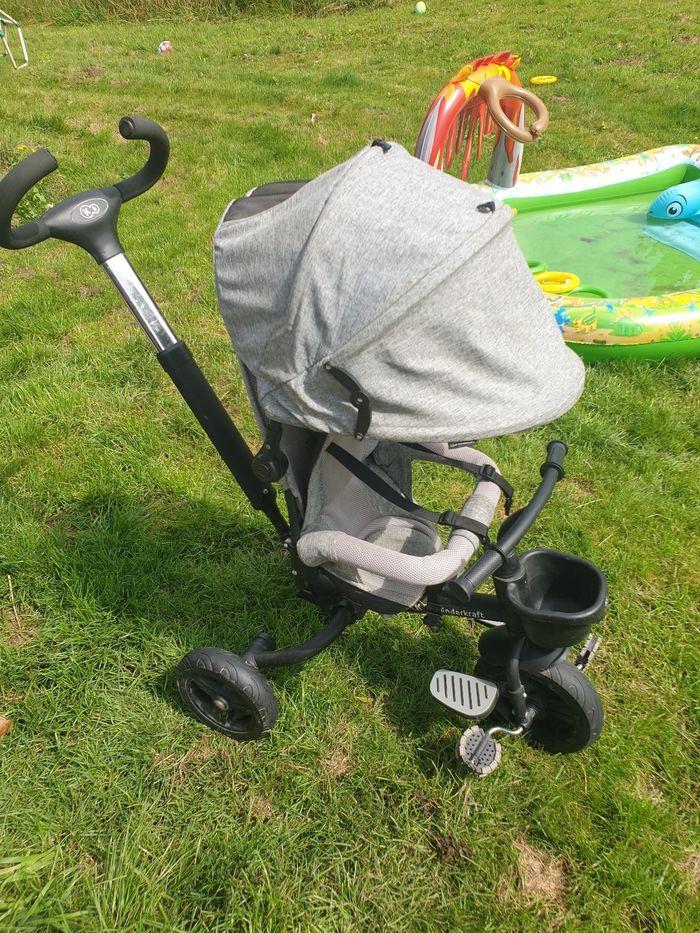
(22, 178)
(143, 128)
(13, 187)
(514, 529)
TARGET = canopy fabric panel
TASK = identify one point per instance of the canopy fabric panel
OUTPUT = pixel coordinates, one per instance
(410, 281)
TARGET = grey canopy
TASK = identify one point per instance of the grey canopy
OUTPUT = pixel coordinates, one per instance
(406, 279)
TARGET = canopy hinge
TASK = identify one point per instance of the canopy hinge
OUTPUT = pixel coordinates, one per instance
(488, 207)
(383, 145)
(270, 463)
(359, 399)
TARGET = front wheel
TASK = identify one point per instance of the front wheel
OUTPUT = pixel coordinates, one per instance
(226, 694)
(568, 712)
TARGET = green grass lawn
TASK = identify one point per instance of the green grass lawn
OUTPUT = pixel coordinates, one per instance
(128, 545)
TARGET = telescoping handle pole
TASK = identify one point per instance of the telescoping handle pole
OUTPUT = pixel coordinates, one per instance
(89, 220)
(207, 408)
(552, 470)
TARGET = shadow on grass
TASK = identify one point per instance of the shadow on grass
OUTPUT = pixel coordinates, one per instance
(189, 572)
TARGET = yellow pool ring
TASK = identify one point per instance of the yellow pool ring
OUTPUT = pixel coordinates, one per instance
(544, 79)
(557, 283)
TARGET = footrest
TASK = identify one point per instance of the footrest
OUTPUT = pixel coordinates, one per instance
(479, 751)
(471, 696)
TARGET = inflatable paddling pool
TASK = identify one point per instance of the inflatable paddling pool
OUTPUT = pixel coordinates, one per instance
(638, 297)
(621, 283)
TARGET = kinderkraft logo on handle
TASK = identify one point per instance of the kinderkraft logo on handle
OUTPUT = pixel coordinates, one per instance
(89, 210)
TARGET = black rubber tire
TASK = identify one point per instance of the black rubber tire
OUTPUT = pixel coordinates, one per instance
(251, 708)
(569, 713)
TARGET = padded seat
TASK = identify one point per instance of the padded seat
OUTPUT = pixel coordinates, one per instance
(371, 542)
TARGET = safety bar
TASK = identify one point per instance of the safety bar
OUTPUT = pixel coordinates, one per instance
(515, 528)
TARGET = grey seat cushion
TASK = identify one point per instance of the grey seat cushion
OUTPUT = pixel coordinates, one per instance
(404, 536)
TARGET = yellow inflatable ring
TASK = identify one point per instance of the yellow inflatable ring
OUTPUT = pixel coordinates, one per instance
(557, 283)
(544, 79)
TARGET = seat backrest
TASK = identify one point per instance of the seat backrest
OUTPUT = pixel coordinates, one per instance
(341, 505)
(302, 448)
(339, 501)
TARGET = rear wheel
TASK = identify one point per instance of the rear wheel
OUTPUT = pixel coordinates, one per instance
(568, 713)
(227, 694)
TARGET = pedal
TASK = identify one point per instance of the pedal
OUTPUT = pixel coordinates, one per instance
(471, 696)
(479, 751)
(585, 655)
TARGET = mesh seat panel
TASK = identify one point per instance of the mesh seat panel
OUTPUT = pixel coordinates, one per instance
(404, 536)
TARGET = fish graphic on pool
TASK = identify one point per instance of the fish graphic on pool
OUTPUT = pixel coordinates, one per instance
(674, 218)
(681, 202)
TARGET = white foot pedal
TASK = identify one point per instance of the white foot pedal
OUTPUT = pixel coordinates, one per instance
(479, 751)
(471, 696)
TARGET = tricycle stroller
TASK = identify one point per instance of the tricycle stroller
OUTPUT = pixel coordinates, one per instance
(381, 314)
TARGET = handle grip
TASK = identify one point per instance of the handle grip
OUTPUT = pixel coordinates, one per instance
(142, 128)
(463, 588)
(493, 90)
(13, 187)
(556, 451)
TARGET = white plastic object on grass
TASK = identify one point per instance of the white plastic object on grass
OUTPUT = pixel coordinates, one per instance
(7, 21)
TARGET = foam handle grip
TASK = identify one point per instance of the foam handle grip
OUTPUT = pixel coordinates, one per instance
(463, 588)
(13, 187)
(556, 451)
(135, 127)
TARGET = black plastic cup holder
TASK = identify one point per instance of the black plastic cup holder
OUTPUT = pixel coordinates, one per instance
(555, 598)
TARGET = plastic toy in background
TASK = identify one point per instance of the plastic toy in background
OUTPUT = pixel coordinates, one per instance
(679, 203)
(538, 80)
(420, 7)
(482, 99)
(640, 275)
(674, 219)
(165, 47)
(557, 283)
(8, 23)
(632, 281)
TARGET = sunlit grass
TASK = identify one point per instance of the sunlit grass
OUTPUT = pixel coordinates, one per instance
(128, 545)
